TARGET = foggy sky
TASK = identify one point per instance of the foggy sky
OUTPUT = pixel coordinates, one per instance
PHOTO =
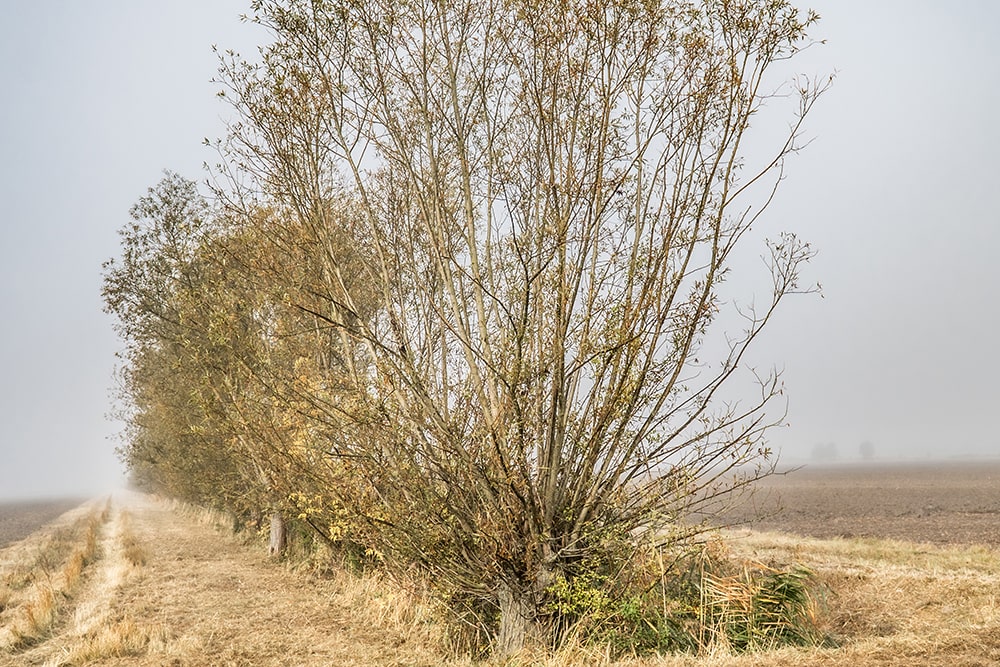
(97, 98)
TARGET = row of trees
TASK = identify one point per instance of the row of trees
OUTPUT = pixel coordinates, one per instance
(446, 301)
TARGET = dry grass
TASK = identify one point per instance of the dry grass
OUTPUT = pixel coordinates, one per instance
(881, 602)
(878, 602)
(114, 639)
(219, 601)
(132, 548)
(37, 614)
(44, 557)
(398, 610)
(95, 632)
(83, 554)
(879, 588)
(202, 515)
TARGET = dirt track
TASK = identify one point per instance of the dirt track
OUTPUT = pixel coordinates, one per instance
(939, 503)
(247, 611)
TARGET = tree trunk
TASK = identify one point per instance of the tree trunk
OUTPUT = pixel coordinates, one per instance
(279, 535)
(517, 617)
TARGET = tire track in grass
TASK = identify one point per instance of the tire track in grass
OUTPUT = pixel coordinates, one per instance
(95, 631)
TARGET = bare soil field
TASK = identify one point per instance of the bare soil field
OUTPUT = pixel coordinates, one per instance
(937, 503)
(19, 519)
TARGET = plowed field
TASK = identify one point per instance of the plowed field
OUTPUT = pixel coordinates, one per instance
(20, 519)
(938, 503)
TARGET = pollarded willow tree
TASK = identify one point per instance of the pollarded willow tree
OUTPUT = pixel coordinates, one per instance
(542, 200)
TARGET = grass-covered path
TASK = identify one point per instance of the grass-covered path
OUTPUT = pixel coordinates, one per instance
(170, 587)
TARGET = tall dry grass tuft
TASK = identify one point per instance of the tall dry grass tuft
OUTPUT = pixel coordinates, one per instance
(73, 569)
(118, 639)
(759, 609)
(203, 515)
(37, 615)
(84, 553)
(401, 609)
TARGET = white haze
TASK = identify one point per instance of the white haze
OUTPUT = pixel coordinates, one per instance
(895, 193)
